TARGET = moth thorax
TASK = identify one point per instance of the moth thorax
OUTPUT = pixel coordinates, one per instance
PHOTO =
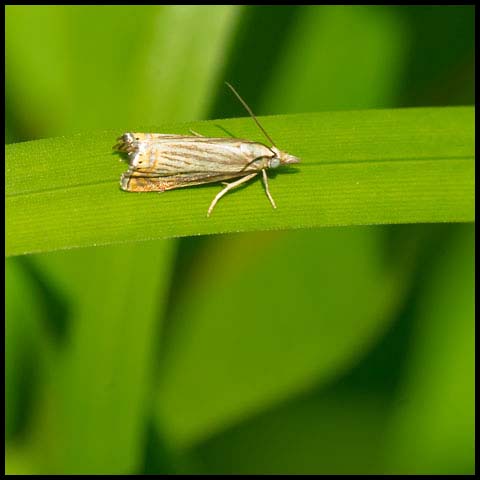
(255, 150)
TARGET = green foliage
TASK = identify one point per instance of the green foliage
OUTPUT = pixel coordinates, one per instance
(366, 167)
(308, 351)
(435, 386)
(108, 343)
(261, 350)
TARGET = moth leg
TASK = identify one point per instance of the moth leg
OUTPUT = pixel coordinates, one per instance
(227, 188)
(267, 190)
(196, 133)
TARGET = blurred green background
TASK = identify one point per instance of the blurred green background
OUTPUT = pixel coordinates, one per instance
(339, 350)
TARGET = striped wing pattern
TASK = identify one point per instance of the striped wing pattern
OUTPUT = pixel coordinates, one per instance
(134, 182)
(165, 162)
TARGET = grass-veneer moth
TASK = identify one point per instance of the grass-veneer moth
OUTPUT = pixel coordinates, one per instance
(159, 162)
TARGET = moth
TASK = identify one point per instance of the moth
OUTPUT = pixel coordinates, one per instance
(160, 162)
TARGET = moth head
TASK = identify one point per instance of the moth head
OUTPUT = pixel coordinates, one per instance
(281, 158)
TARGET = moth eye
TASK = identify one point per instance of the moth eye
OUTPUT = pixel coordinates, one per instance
(274, 162)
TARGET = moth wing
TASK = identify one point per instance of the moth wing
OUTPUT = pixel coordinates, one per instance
(135, 181)
(173, 154)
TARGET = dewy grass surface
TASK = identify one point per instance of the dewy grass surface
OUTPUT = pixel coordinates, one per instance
(359, 167)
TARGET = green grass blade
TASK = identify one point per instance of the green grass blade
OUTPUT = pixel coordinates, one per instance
(254, 331)
(25, 316)
(371, 38)
(110, 64)
(360, 167)
(95, 395)
(333, 433)
(433, 428)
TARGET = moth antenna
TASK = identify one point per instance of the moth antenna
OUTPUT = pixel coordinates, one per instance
(249, 110)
